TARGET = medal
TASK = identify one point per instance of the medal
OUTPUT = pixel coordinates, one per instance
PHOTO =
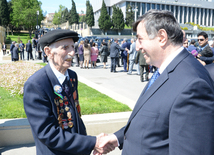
(60, 100)
(70, 124)
(62, 110)
(58, 89)
(67, 108)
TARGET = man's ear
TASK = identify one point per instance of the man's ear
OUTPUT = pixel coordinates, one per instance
(162, 37)
(47, 51)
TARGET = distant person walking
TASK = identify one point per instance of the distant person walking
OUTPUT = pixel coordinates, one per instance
(87, 53)
(16, 52)
(11, 49)
(29, 50)
(104, 53)
(22, 48)
(94, 54)
(4, 48)
(81, 52)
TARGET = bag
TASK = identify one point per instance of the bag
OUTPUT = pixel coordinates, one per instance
(98, 60)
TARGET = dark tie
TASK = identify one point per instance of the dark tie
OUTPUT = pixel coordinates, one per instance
(67, 88)
(154, 77)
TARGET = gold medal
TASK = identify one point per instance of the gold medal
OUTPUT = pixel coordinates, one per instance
(67, 108)
(70, 124)
(69, 114)
(60, 100)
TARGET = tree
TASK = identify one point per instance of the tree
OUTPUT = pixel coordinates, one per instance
(4, 14)
(118, 19)
(66, 15)
(58, 16)
(74, 15)
(87, 8)
(104, 19)
(129, 16)
(82, 17)
(90, 18)
(25, 13)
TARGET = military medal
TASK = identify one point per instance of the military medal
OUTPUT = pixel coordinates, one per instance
(58, 89)
(70, 124)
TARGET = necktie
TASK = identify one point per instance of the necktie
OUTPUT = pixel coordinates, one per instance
(154, 77)
(66, 85)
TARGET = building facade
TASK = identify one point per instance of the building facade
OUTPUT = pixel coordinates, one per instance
(197, 11)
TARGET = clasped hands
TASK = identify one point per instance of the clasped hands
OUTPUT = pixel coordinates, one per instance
(105, 143)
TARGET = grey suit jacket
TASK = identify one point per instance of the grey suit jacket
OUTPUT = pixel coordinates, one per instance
(114, 50)
(132, 51)
(175, 116)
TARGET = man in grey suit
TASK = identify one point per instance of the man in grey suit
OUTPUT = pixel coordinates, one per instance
(174, 115)
(114, 53)
(132, 55)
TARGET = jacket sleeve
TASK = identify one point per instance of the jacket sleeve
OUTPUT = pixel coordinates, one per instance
(191, 122)
(44, 124)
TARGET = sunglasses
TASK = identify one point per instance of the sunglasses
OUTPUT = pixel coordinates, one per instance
(200, 39)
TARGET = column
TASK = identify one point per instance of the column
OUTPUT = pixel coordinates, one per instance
(211, 18)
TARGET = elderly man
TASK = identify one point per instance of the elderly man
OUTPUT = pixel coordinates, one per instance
(174, 115)
(16, 52)
(51, 101)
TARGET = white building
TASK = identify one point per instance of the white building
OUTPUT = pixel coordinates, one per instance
(198, 11)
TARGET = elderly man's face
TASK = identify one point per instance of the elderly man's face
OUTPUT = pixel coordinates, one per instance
(62, 54)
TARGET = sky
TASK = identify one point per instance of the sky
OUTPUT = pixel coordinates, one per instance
(53, 5)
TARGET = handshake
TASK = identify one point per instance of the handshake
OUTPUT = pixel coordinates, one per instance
(105, 143)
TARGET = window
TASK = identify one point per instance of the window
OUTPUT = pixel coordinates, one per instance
(143, 8)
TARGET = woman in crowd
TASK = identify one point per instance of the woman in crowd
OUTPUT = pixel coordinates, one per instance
(87, 53)
(94, 54)
(104, 53)
(81, 51)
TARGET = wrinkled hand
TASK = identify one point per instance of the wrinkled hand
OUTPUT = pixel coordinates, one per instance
(105, 144)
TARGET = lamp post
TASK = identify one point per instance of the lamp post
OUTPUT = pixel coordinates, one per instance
(37, 26)
(135, 11)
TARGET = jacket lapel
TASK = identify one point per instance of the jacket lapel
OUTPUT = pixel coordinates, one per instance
(157, 84)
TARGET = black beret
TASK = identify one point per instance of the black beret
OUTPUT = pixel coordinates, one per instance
(57, 35)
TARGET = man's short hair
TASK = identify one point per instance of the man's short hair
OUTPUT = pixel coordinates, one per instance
(154, 20)
(192, 41)
(203, 34)
(125, 39)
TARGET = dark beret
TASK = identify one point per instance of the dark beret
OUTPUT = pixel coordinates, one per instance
(57, 35)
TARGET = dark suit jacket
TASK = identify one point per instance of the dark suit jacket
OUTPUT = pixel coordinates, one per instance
(4, 46)
(15, 53)
(41, 111)
(206, 52)
(114, 50)
(11, 47)
(175, 116)
(210, 69)
(28, 47)
(124, 52)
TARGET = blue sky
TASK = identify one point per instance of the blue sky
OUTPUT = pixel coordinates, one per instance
(53, 5)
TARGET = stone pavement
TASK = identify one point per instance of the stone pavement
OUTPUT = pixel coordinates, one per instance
(119, 86)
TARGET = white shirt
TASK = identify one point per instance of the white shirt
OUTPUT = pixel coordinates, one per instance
(60, 77)
(169, 59)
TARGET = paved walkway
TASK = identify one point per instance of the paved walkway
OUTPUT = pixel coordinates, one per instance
(119, 86)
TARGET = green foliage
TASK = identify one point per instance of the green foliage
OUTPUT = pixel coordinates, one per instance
(200, 27)
(23, 36)
(18, 40)
(8, 40)
(184, 28)
(118, 19)
(4, 14)
(96, 102)
(11, 106)
(66, 15)
(82, 18)
(129, 16)
(74, 17)
(58, 16)
(104, 19)
(24, 13)
(89, 15)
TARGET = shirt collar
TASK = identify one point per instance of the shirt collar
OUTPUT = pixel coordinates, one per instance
(169, 59)
(203, 47)
(60, 77)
